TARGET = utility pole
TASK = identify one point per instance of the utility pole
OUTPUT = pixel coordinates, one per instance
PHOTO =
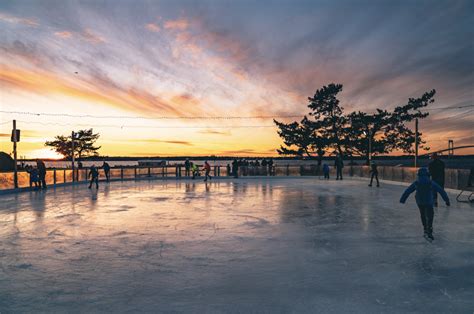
(15, 167)
(370, 146)
(73, 161)
(416, 143)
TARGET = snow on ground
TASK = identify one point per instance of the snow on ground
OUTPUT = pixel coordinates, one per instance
(266, 245)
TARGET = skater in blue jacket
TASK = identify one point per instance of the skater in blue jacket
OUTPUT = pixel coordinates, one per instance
(424, 188)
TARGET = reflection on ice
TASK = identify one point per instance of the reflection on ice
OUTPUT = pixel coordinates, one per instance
(249, 245)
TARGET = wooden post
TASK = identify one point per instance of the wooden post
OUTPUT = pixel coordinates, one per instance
(15, 167)
(54, 177)
(72, 153)
(121, 173)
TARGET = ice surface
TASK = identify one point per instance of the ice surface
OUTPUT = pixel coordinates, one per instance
(272, 245)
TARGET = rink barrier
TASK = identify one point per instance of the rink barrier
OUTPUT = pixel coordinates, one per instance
(454, 178)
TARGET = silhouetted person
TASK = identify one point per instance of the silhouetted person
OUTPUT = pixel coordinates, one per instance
(187, 167)
(424, 188)
(326, 171)
(270, 166)
(79, 165)
(436, 168)
(94, 175)
(207, 169)
(235, 168)
(41, 173)
(195, 170)
(339, 164)
(374, 173)
(106, 167)
(33, 172)
(228, 170)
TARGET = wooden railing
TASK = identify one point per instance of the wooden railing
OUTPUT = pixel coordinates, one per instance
(455, 178)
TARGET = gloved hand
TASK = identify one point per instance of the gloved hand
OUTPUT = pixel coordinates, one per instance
(448, 203)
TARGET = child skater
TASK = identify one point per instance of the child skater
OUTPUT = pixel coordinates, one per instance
(424, 188)
(326, 171)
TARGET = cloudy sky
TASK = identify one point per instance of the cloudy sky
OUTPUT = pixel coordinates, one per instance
(203, 58)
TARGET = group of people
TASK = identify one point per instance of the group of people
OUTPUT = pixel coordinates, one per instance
(37, 174)
(338, 165)
(94, 174)
(192, 169)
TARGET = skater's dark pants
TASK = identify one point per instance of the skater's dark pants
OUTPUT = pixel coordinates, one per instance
(326, 176)
(376, 176)
(426, 213)
(42, 180)
(107, 175)
(435, 195)
(96, 180)
(338, 173)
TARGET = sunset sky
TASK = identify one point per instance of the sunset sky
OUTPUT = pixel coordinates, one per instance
(225, 58)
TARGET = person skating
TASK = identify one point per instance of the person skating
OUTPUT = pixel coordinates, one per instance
(187, 167)
(436, 168)
(235, 168)
(424, 188)
(326, 171)
(339, 164)
(94, 175)
(374, 173)
(195, 170)
(270, 166)
(106, 167)
(41, 173)
(207, 169)
(228, 170)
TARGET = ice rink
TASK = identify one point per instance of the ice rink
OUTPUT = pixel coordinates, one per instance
(259, 245)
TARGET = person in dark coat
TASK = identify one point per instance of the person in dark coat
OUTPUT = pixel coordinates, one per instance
(424, 197)
(235, 168)
(41, 173)
(228, 170)
(436, 168)
(270, 167)
(339, 164)
(106, 167)
(94, 175)
(374, 173)
(187, 167)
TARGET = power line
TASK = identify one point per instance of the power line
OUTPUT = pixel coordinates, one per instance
(182, 117)
(147, 118)
(147, 126)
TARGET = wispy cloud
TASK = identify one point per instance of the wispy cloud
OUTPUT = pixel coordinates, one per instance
(178, 24)
(63, 34)
(18, 20)
(92, 37)
(152, 27)
(215, 132)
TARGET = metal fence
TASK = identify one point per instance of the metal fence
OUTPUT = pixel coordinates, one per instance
(455, 178)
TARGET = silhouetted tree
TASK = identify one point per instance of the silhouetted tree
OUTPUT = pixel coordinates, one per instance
(349, 135)
(301, 139)
(84, 141)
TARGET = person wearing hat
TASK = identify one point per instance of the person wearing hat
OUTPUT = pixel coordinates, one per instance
(424, 197)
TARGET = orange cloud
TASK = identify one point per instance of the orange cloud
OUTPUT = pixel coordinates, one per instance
(18, 20)
(93, 90)
(179, 24)
(152, 27)
(64, 34)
